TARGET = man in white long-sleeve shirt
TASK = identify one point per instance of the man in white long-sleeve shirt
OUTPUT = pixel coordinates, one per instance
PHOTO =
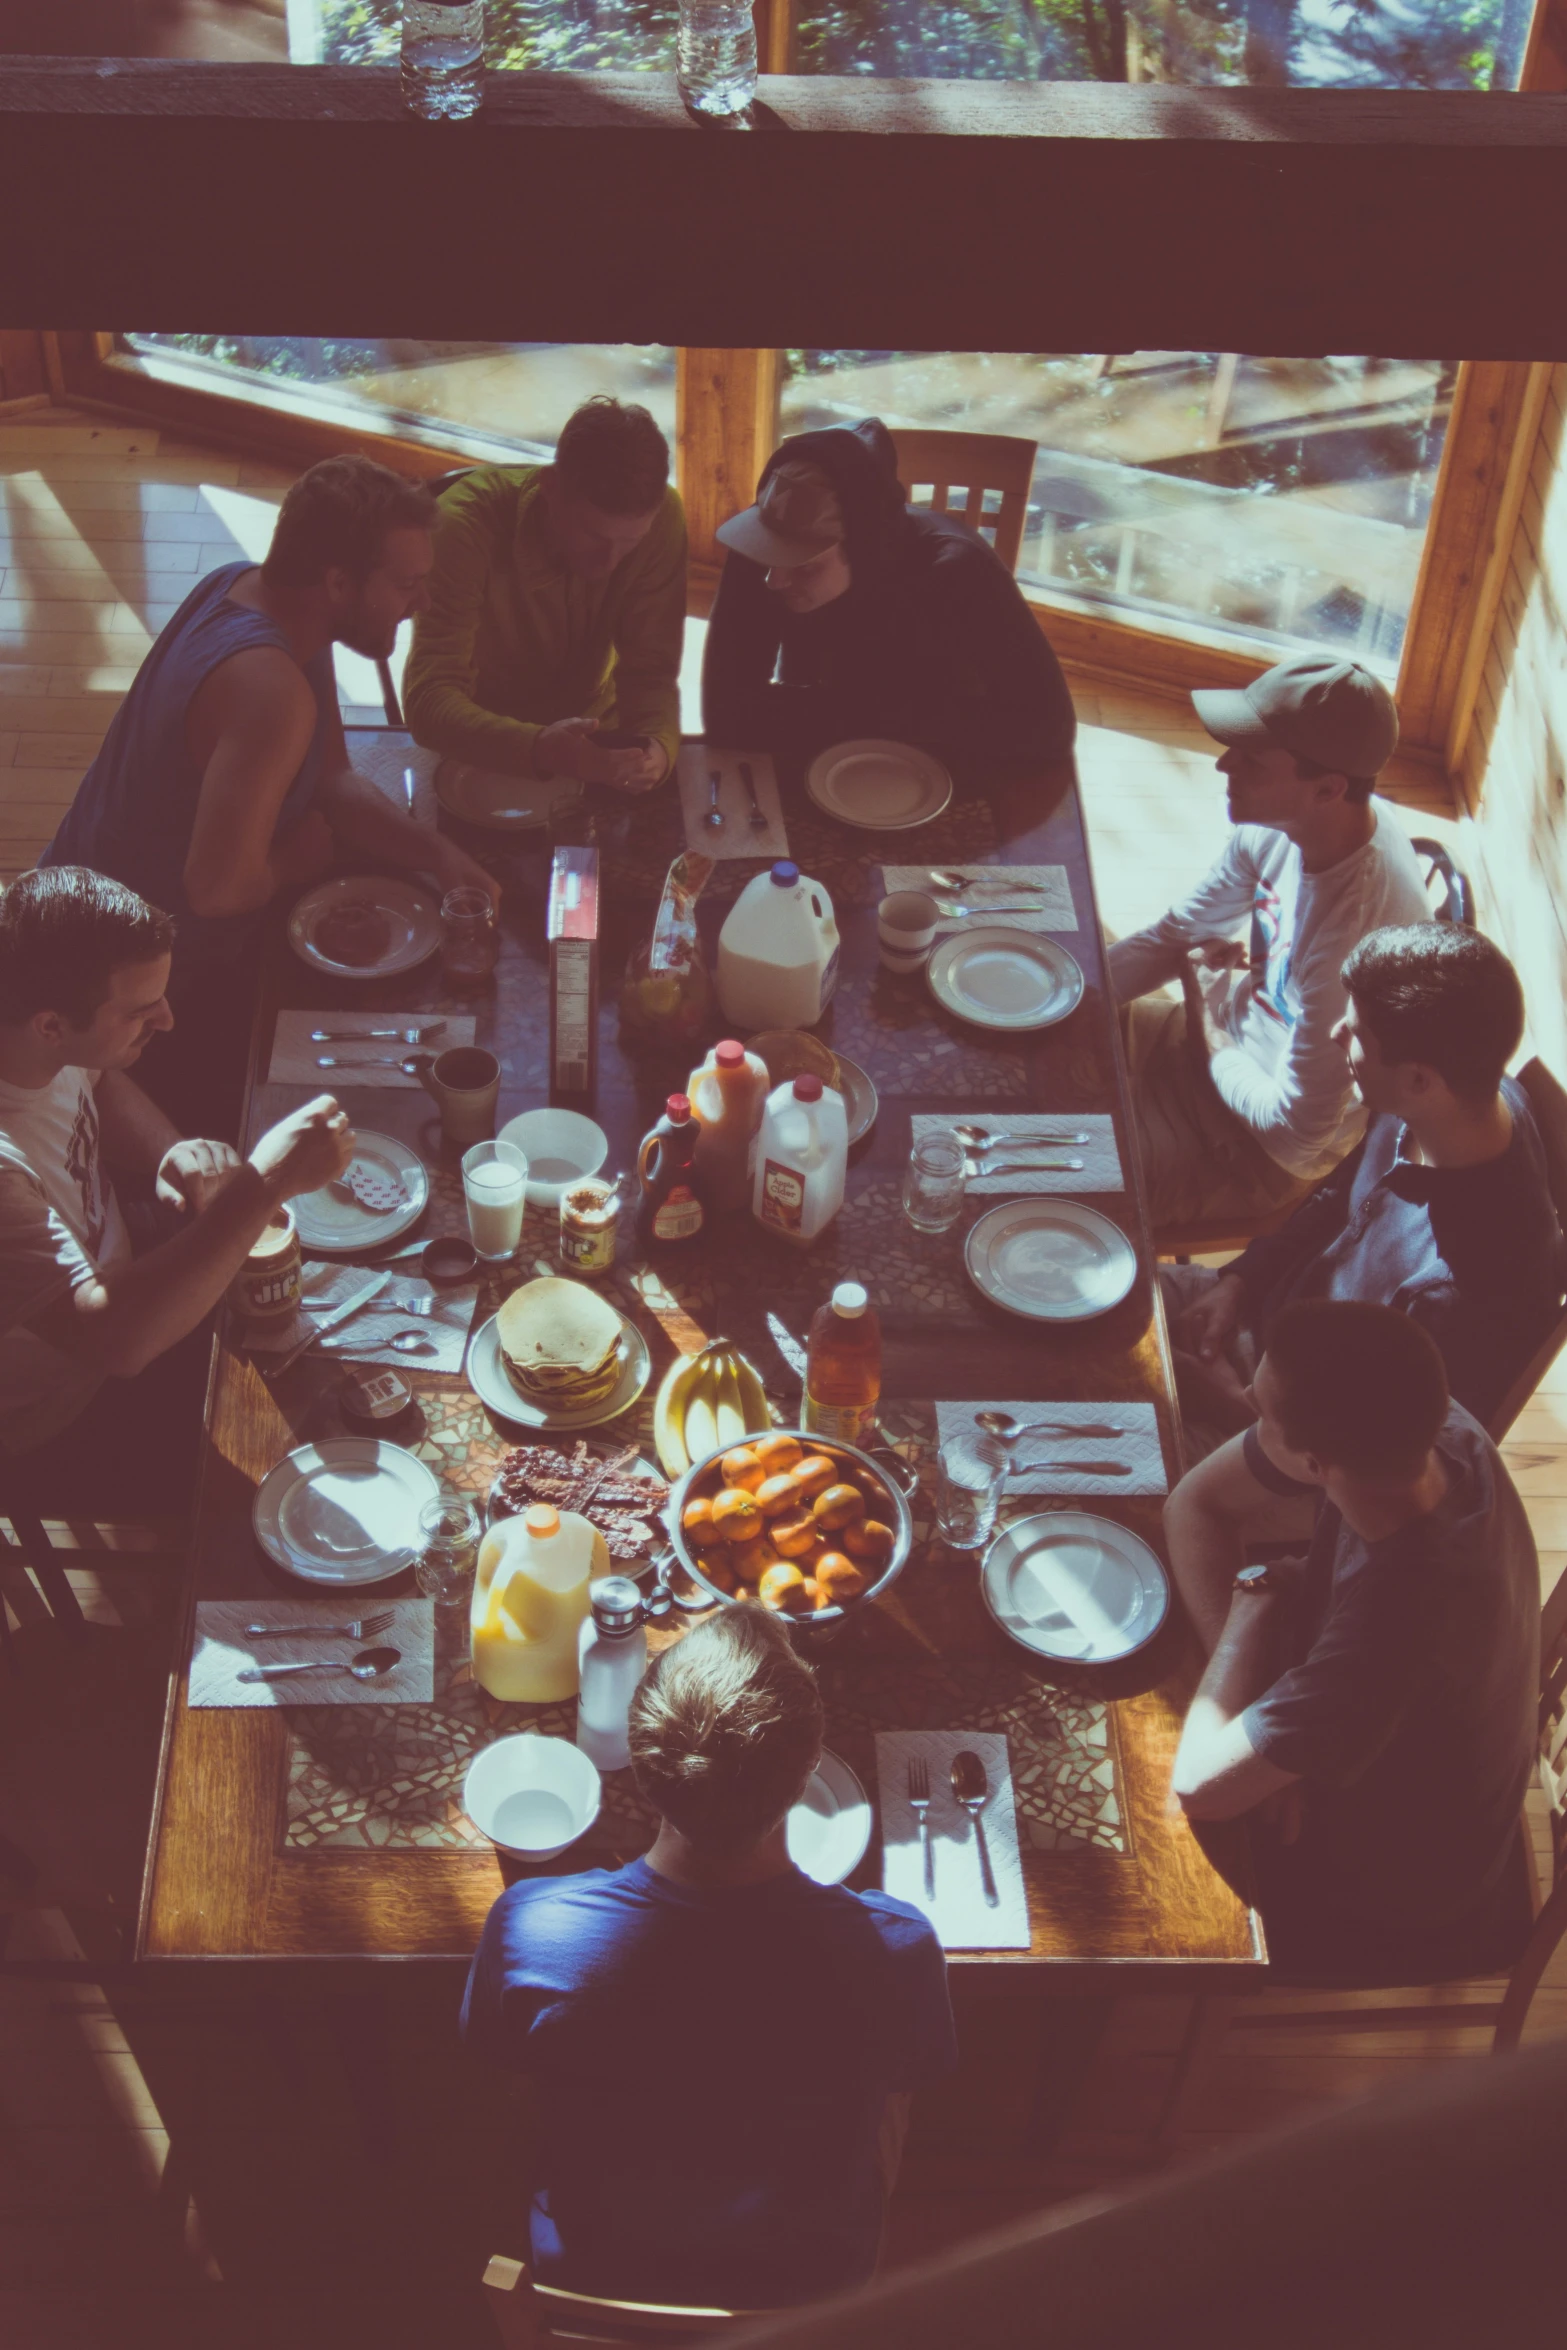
(1243, 1101)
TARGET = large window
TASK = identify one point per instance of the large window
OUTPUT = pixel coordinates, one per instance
(1281, 499)
(579, 36)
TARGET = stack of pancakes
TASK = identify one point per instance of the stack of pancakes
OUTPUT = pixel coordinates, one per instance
(560, 1343)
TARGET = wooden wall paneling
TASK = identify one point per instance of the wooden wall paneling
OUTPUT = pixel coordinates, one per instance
(1545, 58)
(1284, 220)
(726, 427)
(22, 375)
(1490, 434)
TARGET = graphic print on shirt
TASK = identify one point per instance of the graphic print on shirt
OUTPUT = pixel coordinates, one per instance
(1273, 932)
(82, 1165)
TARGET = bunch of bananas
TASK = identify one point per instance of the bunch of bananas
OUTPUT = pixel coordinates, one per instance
(708, 1401)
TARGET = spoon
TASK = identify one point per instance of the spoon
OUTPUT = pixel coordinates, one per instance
(715, 814)
(368, 1665)
(368, 1061)
(1009, 1427)
(948, 877)
(980, 1138)
(971, 1788)
(403, 1342)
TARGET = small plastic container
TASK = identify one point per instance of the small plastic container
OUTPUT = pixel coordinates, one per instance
(802, 1154)
(778, 952)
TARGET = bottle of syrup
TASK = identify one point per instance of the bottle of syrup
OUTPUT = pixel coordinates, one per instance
(670, 1207)
(843, 1367)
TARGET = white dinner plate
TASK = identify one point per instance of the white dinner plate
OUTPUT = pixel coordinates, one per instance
(859, 1099)
(502, 803)
(345, 1511)
(883, 787)
(829, 1829)
(1052, 1260)
(1069, 1585)
(491, 1383)
(1001, 978)
(413, 920)
(327, 1221)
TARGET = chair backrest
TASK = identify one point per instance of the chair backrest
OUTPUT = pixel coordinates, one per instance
(1553, 1719)
(1549, 1104)
(527, 2314)
(1452, 899)
(990, 471)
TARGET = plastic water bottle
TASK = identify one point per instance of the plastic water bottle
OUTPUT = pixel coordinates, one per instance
(443, 58)
(715, 57)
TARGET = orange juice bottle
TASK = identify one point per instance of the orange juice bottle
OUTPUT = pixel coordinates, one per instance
(728, 1095)
(843, 1367)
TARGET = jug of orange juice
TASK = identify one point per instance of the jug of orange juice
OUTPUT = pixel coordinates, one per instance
(530, 1596)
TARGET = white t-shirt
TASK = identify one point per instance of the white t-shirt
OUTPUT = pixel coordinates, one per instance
(1281, 1072)
(60, 1224)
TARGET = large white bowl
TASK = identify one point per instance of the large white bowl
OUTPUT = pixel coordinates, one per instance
(532, 1796)
(561, 1147)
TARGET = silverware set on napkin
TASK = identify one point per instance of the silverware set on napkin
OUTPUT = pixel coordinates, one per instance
(970, 1785)
(1007, 1429)
(369, 1665)
(715, 784)
(980, 1145)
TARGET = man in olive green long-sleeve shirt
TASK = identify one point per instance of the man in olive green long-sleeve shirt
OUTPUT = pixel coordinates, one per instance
(557, 604)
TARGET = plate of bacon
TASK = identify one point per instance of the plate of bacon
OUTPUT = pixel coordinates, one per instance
(617, 1491)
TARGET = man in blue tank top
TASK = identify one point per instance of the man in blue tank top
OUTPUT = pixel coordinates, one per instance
(225, 779)
(723, 2050)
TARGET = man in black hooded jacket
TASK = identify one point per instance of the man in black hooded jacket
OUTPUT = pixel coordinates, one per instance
(890, 622)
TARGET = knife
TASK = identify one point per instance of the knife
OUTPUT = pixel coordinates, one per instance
(1077, 1468)
(974, 1168)
(350, 1305)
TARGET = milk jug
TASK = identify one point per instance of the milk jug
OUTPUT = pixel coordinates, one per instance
(778, 952)
(801, 1154)
(530, 1596)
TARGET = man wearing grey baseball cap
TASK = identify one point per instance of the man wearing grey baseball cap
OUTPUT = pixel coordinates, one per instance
(1242, 1098)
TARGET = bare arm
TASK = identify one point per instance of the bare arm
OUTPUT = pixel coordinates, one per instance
(250, 726)
(1218, 1772)
(120, 1324)
(363, 819)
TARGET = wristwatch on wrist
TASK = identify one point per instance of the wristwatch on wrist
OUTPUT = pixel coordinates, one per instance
(1254, 1579)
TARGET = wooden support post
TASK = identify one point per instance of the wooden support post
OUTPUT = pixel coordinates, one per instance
(726, 426)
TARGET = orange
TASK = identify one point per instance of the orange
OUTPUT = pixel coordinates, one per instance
(794, 1534)
(696, 1523)
(814, 1474)
(840, 1505)
(717, 1566)
(871, 1542)
(777, 1453)
(783, 1587)
(775, 1495)
(750, 1560)
(741, 1467)
(736, 1517)
(838, 1577)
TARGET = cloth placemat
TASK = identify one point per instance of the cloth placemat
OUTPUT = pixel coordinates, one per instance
(1018, 911)
(294, 1057)
(362, 1338)
(962, 1917)
(737, 839)
(1139, 1447)
(222, 1652)
(1100, 1171)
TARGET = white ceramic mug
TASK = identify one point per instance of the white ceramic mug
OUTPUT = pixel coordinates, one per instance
(906, 928)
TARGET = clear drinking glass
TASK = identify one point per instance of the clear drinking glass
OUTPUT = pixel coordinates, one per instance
(933, 1183)
(495, 1190)
(470, 941)
(443, 58)
(970, 1473)
(449, 1533)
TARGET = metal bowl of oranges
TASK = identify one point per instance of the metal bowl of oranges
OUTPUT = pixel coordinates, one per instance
(807, 1526)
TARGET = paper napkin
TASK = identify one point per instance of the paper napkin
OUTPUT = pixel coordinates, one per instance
(1100, 1171)
(737, 839)
(1040, 898)
(1139, 1448)
(962, 1917)
(362, 1338)
(295, 1060)
(222, 1652)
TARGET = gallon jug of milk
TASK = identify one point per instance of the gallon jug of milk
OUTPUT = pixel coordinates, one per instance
(778, 952)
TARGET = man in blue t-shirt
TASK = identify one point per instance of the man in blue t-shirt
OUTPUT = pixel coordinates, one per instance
(1370, 1710)
(723, 2050)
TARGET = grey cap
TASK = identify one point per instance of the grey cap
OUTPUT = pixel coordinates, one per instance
(1334, 713)
(616, 1604)
(796, 518)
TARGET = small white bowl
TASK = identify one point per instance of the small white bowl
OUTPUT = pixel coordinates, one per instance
(560, 1146)
(906, 921)
(532, 1796)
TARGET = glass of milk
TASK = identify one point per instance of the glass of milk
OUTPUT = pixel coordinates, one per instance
(495, 1186)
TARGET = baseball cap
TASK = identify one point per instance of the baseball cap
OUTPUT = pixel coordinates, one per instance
(1334, 713)
(796, 518)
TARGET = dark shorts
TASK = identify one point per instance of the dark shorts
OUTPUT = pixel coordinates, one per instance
(1288, 1488)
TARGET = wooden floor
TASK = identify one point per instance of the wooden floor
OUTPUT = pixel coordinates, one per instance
(206, 2159)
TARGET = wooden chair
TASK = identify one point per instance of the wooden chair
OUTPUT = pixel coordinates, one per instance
(527, 2313)
(978, 466)
(1549, 1104)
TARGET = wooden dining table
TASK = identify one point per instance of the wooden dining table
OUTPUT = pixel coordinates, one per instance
(337, 1832)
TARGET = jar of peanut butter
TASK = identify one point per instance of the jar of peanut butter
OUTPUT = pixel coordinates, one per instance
(266, 1287)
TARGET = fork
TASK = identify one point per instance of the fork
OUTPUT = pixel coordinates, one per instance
(758, 812)
(362, 1628)
(417, 1306)
(954, 910)
(919, 1805)
(376, 1035)
(975, 1166)
(948, 877)
(368, 1061)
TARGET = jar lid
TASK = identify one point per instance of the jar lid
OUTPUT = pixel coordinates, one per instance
(807, 1089)
(369, 1401)
(850, 1299)
(785, 873)
(616, 1603)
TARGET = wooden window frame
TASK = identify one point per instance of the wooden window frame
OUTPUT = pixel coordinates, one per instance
(1317, 193)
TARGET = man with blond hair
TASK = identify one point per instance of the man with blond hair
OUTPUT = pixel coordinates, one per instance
(723, 2049)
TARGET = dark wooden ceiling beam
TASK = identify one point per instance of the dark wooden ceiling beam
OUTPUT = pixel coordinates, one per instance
(969, 216)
